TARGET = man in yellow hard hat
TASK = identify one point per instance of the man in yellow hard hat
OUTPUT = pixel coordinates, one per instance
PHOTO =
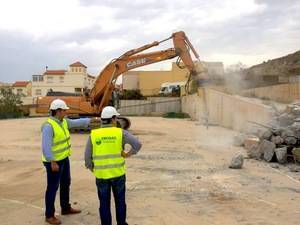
(56, 148)
(105, 157)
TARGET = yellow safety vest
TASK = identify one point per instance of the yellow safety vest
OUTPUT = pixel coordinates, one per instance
(61, 147)
(107, 148)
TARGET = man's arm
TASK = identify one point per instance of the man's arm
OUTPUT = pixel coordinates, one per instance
(135, 144)
(83, 122)
(47, 141)
(88, 155)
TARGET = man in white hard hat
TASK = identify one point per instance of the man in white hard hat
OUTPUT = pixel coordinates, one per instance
(56, 151)
(104, 156)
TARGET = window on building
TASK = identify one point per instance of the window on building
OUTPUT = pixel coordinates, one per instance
(38, 92)
(37, 78)
(79, 69)
(78, 90)
(75, 69)
(19, 91)
(49, 79)
(61, 79)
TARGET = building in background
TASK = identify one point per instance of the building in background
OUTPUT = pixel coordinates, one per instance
(74, 80)
(22, 88)
(149, 82)
(5, 85)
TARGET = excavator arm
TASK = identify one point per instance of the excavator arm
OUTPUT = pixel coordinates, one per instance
(104, 84)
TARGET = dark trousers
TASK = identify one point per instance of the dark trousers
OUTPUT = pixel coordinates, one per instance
(117, 185)
(61, 178)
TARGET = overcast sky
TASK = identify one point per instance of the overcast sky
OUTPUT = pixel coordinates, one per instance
(56, 33)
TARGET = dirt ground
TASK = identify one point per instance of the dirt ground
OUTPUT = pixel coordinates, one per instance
(180, 177)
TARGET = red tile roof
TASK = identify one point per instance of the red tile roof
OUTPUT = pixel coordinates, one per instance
(78, 64)
(55, 72)
(21, 83)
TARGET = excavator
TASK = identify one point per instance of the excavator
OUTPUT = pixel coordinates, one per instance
(92, 103)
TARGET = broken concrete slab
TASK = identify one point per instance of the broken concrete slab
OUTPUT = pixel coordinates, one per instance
(255, 152)
(290, 140)
(277, 140)
(281, 155)
(277, 131)
(285, 120)
(289, 136)
(267, 148)
(267, 134)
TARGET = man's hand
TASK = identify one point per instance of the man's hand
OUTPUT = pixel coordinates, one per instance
(54, 166)
(124, 154)
(96, 120)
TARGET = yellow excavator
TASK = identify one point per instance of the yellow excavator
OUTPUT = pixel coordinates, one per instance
(100, 95)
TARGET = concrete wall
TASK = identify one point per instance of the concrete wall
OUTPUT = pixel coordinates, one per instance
(233, 112)
(285, 93)
(151, 106)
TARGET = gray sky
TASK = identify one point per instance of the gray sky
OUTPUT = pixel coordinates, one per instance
(55, 33)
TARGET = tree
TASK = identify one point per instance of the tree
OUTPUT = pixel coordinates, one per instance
(9, 104)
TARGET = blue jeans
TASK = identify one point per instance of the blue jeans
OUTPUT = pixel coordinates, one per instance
(117, 185)
(61, 178)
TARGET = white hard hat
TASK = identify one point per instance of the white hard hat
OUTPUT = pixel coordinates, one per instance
(108, 112)
(58, 104)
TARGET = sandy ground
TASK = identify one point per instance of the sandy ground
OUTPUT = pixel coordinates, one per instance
(180, 177)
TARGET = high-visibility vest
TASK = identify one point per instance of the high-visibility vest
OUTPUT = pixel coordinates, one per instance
(61, 147)
(107, 148)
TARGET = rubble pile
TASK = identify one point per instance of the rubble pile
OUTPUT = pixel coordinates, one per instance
(279, 142)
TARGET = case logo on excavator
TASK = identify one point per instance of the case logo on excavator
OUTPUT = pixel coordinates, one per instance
(136, 62)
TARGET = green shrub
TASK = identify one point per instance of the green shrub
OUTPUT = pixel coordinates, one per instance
(132, 95)
(176, 115)
(9, 104)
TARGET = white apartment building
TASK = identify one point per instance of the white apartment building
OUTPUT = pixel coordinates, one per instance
(73, 80)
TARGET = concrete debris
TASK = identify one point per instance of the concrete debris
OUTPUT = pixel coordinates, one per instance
(254, 152)
(278, 143)
(268, 149)
(237, 161)
(285, 120)
(266, 135)
(281, 155)
(277, 140)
